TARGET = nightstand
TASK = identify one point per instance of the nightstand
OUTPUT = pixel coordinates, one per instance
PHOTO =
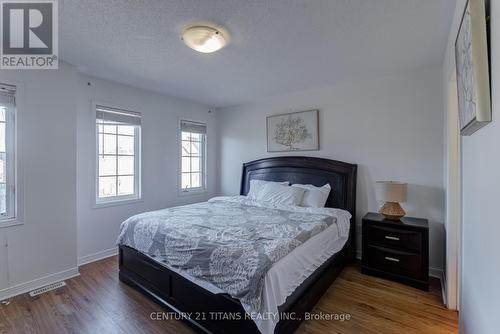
(397, 250)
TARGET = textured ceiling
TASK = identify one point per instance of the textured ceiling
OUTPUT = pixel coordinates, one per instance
(277, 46)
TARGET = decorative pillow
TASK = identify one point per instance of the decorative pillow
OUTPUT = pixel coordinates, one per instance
(314, 197)
(257, 185)
(281, 194)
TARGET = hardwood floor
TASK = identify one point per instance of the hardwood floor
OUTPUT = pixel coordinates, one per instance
(96, 302)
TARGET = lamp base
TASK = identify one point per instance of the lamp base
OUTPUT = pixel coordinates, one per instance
(392, 211)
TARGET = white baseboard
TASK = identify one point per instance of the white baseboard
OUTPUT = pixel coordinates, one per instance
(38, 283)
(439, 274)
(97, 256)
(435, 272)
(443, 288)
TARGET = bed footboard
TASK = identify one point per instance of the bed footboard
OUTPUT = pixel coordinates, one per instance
(217, 313)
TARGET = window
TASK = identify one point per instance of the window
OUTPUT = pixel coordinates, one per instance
(193, 142)
(118, 154)
(7, 150)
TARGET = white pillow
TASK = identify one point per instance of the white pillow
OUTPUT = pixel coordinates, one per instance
(314, 197)
(257, 185)
(281, 194)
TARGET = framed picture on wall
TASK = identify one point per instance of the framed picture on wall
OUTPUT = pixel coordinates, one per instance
(471, 56)
(296, 131)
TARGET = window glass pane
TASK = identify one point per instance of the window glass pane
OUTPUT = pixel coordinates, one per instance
(192, 160)
(195, 180)
(126, 130)
(109, 144)
(186, 180)
(195, 165)
(186, 165)
(3, 198)
(125, 165)
(107, 165)
(195, 148)
(186, 148)
(109, 129)
(107, 186)
(125, 145)
(195, 136)
(7, 179)
(3, 176)
(2, 137)
(99, 146)
(117, 156)
(125, 185)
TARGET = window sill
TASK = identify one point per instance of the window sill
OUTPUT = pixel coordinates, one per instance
(108, 204)
(192, 192)
(10, 223)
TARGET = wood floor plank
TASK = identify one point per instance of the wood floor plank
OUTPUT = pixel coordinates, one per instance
(97, 302)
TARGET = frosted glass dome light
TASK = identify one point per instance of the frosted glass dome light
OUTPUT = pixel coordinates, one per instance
(203, 39)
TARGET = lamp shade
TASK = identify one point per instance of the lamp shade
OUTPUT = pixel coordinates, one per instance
(391, 191)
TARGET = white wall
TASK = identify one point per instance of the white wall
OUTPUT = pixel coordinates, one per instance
(391, 127)
(98, 227)
(62, 226)
(480, 269)
(46, 123)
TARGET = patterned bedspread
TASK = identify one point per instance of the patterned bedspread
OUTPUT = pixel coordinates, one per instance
(228, 242)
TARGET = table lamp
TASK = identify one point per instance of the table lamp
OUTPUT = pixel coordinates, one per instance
(392, 193)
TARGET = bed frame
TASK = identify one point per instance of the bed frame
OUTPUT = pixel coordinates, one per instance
(207, 312)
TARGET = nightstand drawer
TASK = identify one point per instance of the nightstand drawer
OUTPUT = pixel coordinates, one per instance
(397, 250)
(392, 260)
(391, 237)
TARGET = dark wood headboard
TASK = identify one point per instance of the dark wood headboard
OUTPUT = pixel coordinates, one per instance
(309, 170)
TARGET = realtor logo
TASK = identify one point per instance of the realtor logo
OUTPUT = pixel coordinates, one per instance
(29, 34)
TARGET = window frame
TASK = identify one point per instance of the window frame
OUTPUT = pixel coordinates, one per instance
(12, 184)
(203, 156)
(119, 199)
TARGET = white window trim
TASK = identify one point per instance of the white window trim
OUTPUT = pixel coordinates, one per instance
(18, 218)
(116, 200)
(191, 191)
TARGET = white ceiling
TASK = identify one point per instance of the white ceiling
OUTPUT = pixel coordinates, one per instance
(277, 46)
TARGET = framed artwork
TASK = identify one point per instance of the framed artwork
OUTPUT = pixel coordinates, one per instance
(471, 56)
(296, 131)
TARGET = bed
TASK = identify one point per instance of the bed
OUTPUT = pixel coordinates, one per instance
(211, 311)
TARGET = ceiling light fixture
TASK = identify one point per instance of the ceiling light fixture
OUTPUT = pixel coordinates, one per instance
(204, 39)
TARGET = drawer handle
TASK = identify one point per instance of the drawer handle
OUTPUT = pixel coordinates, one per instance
(391, 238)
(393, 259)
